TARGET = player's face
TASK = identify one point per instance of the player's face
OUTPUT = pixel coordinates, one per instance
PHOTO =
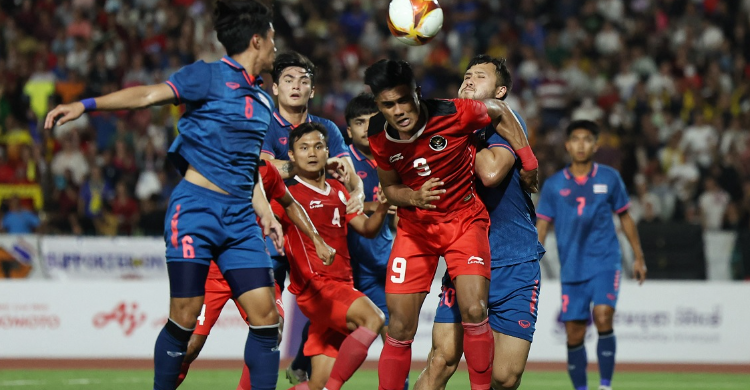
(400, 106)
(480, 82)
(358, 130)
(267, 50)
(581, 145)
(310, 153)
(294, 88)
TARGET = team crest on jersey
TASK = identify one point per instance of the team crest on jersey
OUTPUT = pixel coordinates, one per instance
(362, 174)
(283, 140)
(438, 143)
(600, 188)
(342, 197)
(233, 85)
(565, 192)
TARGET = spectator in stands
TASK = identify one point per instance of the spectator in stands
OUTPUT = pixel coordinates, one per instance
(712, 204)
(18, 220)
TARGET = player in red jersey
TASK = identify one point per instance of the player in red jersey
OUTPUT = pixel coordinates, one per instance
(218, 291)
(426, 167)
(343, 321)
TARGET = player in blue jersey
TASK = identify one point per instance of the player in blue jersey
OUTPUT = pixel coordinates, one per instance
(210, 214)
(515, 250)
(293, 86)
(580, 200)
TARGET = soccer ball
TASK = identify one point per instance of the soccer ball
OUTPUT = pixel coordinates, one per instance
(415, 22)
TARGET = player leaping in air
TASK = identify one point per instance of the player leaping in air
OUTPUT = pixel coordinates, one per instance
(514, 287)
(425, 163)
(210, 214)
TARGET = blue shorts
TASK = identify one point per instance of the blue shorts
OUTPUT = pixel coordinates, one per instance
(577, 298)
(201, 225)
(374, 288)
(513, 300)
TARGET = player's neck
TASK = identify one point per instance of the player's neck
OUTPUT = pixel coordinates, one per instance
(579, 169)
(365, 150)
(248, 60)
(294, 115)
(315, 179)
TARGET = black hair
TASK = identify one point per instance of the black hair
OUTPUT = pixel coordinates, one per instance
(236, 21)
(501, 71)
(305, 128)
(362, 104)
(292, 59)
(387, 74)
(584, 124)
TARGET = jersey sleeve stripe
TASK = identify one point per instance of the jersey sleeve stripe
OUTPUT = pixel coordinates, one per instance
(623, 208)
(268, 152)
(174, 90)
(544, 217)
(343, 154)
(502, 146)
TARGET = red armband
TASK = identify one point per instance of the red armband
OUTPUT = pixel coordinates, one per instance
(528, 160)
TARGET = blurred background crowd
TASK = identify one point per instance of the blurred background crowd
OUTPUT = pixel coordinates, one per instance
(668, 80)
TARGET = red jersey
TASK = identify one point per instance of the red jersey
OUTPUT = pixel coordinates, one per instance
(441, 149)
(327, 211)
(274, 187)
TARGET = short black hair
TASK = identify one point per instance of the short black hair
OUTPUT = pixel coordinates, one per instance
(292, 59)
(236, 21)
(362, 104)
(501, 71)
(584, 124)
(387, 74)
(307, 127)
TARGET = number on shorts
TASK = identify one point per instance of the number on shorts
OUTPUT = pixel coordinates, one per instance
(399, 268)
(421, 166)
(448, 297)
(248, 107)
(581, 204)
(187, 250)
(202, 316)
(336, 217)
(565, 301)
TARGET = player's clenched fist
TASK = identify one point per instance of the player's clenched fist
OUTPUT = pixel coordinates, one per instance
(325, 252)
(427, 194)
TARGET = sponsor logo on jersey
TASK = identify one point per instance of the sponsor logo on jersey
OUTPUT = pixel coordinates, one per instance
(600, 188)
(283, 140)
(438, 143)
(565, 192)
(362, 174)
(395, 158)
(233, 85)
(316, 204)
(524, 324)
(476, 260)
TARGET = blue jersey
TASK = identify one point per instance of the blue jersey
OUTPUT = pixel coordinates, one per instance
(369, 256)
(276, 142)
(581, 209)
(226, 118)
(513, 236)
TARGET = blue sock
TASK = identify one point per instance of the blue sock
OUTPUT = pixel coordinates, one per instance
(577, 362)
(169, 352)
(605, 351)
(406, 384)
(262, 356)
(302, 362)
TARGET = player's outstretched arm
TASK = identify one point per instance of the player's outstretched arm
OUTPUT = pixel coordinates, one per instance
(631, 232)
(299, 218)
(370, 227)
(125, 99)
(271, 227)
(492, 165)
(285, 167)
(400, 195)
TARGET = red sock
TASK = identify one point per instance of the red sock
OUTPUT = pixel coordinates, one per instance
(183, 373)
(394, 364)
(479, 350)
(352, 353)
(301, 386)
(244, 379)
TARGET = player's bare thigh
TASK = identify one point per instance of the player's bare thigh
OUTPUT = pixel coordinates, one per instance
(472, 294)
(404, 314)
(322, 366)
(260, 306)
(511, 354)
(442, 362)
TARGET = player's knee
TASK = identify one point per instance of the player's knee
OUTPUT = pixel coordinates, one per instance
(402, 328)
(475, 313)
(444, 362)
(506, 379)
(603, 321)
(375, 321)
(264, 318)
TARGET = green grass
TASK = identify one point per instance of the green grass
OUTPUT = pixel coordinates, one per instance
(227, 379)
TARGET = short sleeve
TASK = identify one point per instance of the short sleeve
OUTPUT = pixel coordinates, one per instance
(272, 181)
(269, 146)
(496, 141)
(618, 197)
(473, 114)
(191, 83)
(546, 207)
(336, 145)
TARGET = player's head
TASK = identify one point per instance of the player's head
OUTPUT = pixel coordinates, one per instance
(582, 137)
(358, 114)
(293, 79)
(486, 78)
(396, 93)
(243, 25)
(308, 149)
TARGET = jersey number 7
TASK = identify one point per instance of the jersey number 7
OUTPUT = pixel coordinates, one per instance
(581, 204)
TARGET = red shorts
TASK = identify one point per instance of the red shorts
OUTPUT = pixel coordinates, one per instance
(325, 302)
(218, 293)
(463, 241)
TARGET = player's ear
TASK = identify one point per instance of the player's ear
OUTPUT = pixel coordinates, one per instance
(349, 131)
(255, 41)
(275, 89)
(312, 92)
(291, 153)
(500, 92)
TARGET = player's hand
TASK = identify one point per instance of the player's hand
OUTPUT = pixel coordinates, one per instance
(639, 270)
(272, 228)
(427, 194)
(383, 200)
(63, 113)
(325, 252)
(337, 169)
(530, 180)
(356, 203)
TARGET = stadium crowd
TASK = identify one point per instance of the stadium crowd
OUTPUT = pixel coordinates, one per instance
(669, 80)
